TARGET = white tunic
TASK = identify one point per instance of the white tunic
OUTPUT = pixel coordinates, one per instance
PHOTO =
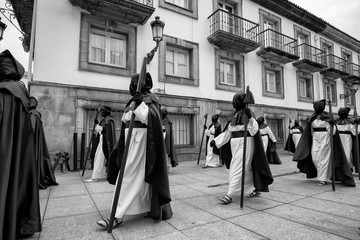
(346, 140)
(135, 192)
(99, 171)
(321, 149)
(296, 135)
(237, 148)
(212, 160)
(266, 133)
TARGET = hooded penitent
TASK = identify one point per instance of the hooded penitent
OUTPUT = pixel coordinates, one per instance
(19, 194)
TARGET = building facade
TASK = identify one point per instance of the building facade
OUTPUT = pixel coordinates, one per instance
(85, 52)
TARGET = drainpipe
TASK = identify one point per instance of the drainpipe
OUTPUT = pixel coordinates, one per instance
(32, 40)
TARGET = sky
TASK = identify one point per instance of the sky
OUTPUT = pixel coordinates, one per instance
(344, 15)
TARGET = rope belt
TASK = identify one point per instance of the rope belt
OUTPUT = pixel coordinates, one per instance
(137, 124)
(239, 134)
(345, 132)
(319, 129)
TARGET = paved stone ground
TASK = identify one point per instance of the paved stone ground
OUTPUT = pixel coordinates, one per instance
(295, 208)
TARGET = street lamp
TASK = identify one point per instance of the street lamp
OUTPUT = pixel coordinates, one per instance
(2, 29)
(157, 28)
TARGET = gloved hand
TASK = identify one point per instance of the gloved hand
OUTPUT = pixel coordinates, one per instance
(357, 120)
(247, 112)
(332, 122)
(205, 127)
(96, 121)
(138, 98)
(212, 143)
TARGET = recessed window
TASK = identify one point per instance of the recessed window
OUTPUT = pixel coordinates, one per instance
(304, 86)
(227, 72)
(350, 100)
(273, 85)
(107, 48)
(177, 62)
(185, 7)
(330, 91)
(183, 128)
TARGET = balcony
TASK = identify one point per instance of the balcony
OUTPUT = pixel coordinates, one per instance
(125, 11)
(354, 71)
(277, 47)
(337, 67)
(310, 58)
(232, 33)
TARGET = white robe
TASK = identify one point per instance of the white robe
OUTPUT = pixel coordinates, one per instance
(237, 148)
(135, 194)
(266, 133)
(321, 149)
(296, 135)
(99, 171)
(346, 140)
(212, 160)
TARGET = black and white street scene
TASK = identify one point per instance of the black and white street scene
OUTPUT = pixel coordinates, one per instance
(179, 119)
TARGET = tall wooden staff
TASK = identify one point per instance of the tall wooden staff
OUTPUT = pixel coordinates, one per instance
(202, 139)
(248, 100)
(91, 140)
(126, 150)
(288, 146)
(357, 159)
(332, 159)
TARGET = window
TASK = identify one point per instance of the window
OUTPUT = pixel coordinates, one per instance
(270, 21)
(178, 61)
(350, 100)
(303, 40)
(330, 91)
(183, 128)
(304, 86)
(270, 81)
(107, 48)
(227, 72)
(186, 7)
(347, 57)
(273, 83)
(328, 48)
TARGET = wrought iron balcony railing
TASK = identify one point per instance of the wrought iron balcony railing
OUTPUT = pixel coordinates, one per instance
(354, 69)
(308, 52)
(335, 62)
(221, 20)
(145, 2)
(273, 39)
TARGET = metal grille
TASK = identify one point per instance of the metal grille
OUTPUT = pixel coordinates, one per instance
(183, 128)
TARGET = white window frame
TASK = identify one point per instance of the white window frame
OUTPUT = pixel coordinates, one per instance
(108, 36)
(328, 92)
(181, 3)
(270, 82)
(176, 63)
(225, 72)
(303, 87)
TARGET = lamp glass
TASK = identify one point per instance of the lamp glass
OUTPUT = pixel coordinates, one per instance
(157, 29)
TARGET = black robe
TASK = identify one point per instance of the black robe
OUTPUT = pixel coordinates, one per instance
(290, 145)
(156, 165)
(169, 142)
(46, 176)
(262, 176)
(304, 159)
(19, 189)
(225, 150)
(217, 127)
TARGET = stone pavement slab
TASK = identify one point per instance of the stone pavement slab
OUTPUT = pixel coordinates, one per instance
(295, 208)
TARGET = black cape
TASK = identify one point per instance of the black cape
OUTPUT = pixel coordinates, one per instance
(290, 145)
(155, 167)
(46, 176)
(19, 189)
(262, 176)
(169, 142)
(304, 159)
(271, 154)
(225, 151)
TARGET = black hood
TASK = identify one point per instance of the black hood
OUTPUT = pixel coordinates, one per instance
(10, 69)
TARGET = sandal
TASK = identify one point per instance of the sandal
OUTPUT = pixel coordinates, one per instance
(226, 199)
(205, 166)
(254, 194)
(106, 222)
(321, 183)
